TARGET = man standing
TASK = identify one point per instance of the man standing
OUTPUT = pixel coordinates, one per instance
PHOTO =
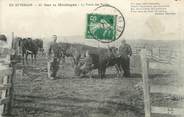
(125, 53)
(53, 58)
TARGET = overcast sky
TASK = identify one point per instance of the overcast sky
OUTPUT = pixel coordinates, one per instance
(71, 21)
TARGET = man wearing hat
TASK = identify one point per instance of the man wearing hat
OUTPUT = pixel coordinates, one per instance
(54, 56)
(125, 52)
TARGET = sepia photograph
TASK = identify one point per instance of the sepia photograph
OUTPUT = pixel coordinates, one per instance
(93, 58)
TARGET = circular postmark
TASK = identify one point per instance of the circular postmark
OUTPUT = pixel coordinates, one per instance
(106, 24)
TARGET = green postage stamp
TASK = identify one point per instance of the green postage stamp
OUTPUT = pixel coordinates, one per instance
(101, 27)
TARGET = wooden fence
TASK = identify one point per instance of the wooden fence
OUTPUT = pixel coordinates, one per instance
(160, 54)
(7, 74)
(7, 71)
(148, 89)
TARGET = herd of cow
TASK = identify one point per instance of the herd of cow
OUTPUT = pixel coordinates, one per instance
(27, 46)
(101, 58)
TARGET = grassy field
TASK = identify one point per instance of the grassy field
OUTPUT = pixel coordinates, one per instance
(70, 96)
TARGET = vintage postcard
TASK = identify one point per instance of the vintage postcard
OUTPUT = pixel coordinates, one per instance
(91, 58)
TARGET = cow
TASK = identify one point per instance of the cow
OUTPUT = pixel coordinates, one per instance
(109, 59)
(30, 47)
(76, 52)
(101, 59)
(101, 62)
(98, 62)
(115, 60)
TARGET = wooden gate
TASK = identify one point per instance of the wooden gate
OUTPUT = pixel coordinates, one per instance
(148, 89)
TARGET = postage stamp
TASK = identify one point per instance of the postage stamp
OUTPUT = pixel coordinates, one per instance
(101, 27)
(106, 24)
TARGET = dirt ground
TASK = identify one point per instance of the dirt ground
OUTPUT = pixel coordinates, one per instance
(70, 96)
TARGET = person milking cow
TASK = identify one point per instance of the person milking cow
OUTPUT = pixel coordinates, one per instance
(87, 63)
(54, 56)
(125, 52)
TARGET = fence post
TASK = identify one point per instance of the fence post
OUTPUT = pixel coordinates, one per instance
(3, 106)
(48, 69)
(146, 88)
(11, 91)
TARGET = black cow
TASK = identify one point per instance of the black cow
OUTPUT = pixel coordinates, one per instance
(102, 62)
(97, 63)
(101, 59)
(114, 59)
(30, 47)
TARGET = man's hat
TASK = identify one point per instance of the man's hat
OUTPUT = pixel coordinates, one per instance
(54, 36)
(3, 38)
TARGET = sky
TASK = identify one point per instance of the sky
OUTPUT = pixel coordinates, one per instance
(43, 22)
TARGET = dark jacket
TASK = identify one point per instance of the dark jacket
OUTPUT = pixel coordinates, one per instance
(55, 50)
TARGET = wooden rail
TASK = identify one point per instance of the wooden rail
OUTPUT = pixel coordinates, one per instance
(160, 54)
(148, 89)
